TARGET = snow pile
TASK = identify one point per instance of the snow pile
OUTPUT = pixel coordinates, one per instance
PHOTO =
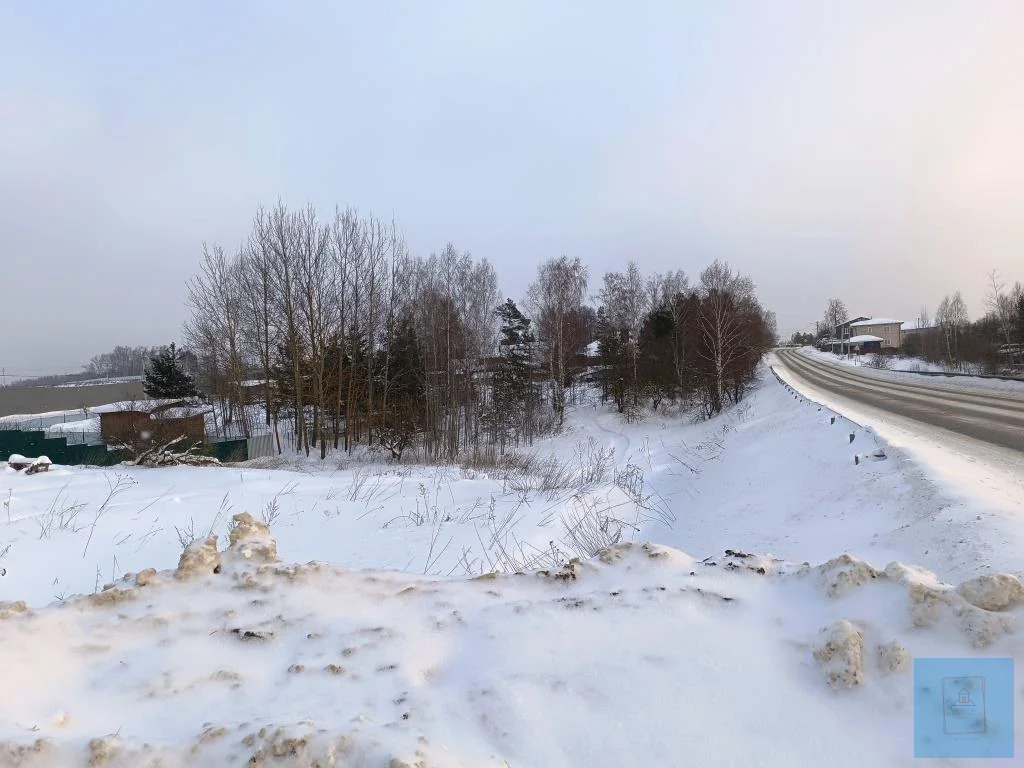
(237, 658)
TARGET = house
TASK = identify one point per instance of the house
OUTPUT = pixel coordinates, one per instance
(837, 342)
(842, 331)
(886, 329)
(865, 342)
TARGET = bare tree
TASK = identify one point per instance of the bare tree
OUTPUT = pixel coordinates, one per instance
(1001, 306)
(554, 296)
(835, 315)
(951, 316)
(724, 296)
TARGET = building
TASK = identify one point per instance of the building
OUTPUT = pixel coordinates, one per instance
(864, 342)
(150, 421)
(842, 331)
(886, 329)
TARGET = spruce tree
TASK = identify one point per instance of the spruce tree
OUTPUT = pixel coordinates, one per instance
(166, 378)
(512, 401)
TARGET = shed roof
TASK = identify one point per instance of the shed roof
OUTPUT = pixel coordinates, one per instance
(863, 339)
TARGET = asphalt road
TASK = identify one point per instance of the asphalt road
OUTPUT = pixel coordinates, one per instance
(995, 417)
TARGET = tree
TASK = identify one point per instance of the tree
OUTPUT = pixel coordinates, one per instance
(402, 420)
(951, 317)
(556, 297)
(1001, 307)
(835, 315)
(165, 377)
(512, 402)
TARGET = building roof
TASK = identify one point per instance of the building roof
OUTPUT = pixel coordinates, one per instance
(864, 339)
(170, 408)
(876, 321)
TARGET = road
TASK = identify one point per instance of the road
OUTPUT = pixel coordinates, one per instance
(991, 416)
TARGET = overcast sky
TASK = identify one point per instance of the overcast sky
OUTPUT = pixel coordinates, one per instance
(871, 151)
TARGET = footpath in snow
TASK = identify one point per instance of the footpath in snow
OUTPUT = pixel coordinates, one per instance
(765, 644)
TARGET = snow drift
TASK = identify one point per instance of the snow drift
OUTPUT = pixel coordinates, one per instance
(642, 655)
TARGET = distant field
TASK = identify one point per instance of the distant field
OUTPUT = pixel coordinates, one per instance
(18, 400)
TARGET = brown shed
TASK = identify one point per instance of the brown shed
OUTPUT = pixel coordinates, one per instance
(153, 421)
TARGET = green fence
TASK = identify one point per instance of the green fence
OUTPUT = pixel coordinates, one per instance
(227, 450)
(36, 443)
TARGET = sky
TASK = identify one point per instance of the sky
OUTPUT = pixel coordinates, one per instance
(870, 151)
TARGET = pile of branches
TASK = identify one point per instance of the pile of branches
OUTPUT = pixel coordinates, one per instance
(163, 456)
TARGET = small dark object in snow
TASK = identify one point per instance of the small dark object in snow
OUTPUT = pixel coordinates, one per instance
(250, 634)
(833, 420)
(852, 435)
(736, 553)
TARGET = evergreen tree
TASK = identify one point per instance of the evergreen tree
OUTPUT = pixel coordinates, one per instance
(512, 400)
(166, 378)
(402, 416)
(614, 368)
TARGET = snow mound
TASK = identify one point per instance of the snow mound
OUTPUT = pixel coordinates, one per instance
(200, 558)
(841, 654)
(843, 574)
(250, 539)
(412, 671)
(892, 658)
(993, 592)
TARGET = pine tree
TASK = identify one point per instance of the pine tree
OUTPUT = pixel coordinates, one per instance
(166, 378)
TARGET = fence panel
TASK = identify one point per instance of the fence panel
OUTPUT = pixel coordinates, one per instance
(261, 445)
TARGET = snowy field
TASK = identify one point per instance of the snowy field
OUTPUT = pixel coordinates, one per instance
(407, 638)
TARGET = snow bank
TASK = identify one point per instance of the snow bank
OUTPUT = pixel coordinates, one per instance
(905, 369)
(236, 658)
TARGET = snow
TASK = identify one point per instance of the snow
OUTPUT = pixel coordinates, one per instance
(138, 406)
(875, 321)
(91, 425)
(397, 644)
(96, 381)
(904, 369)
(864, 338)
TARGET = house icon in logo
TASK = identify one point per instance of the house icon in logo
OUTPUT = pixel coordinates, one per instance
(963, 698)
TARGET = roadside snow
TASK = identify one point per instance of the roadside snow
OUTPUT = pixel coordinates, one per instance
(903, 369)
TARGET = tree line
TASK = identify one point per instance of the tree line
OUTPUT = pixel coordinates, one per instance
(329, 333)
(992, 343)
